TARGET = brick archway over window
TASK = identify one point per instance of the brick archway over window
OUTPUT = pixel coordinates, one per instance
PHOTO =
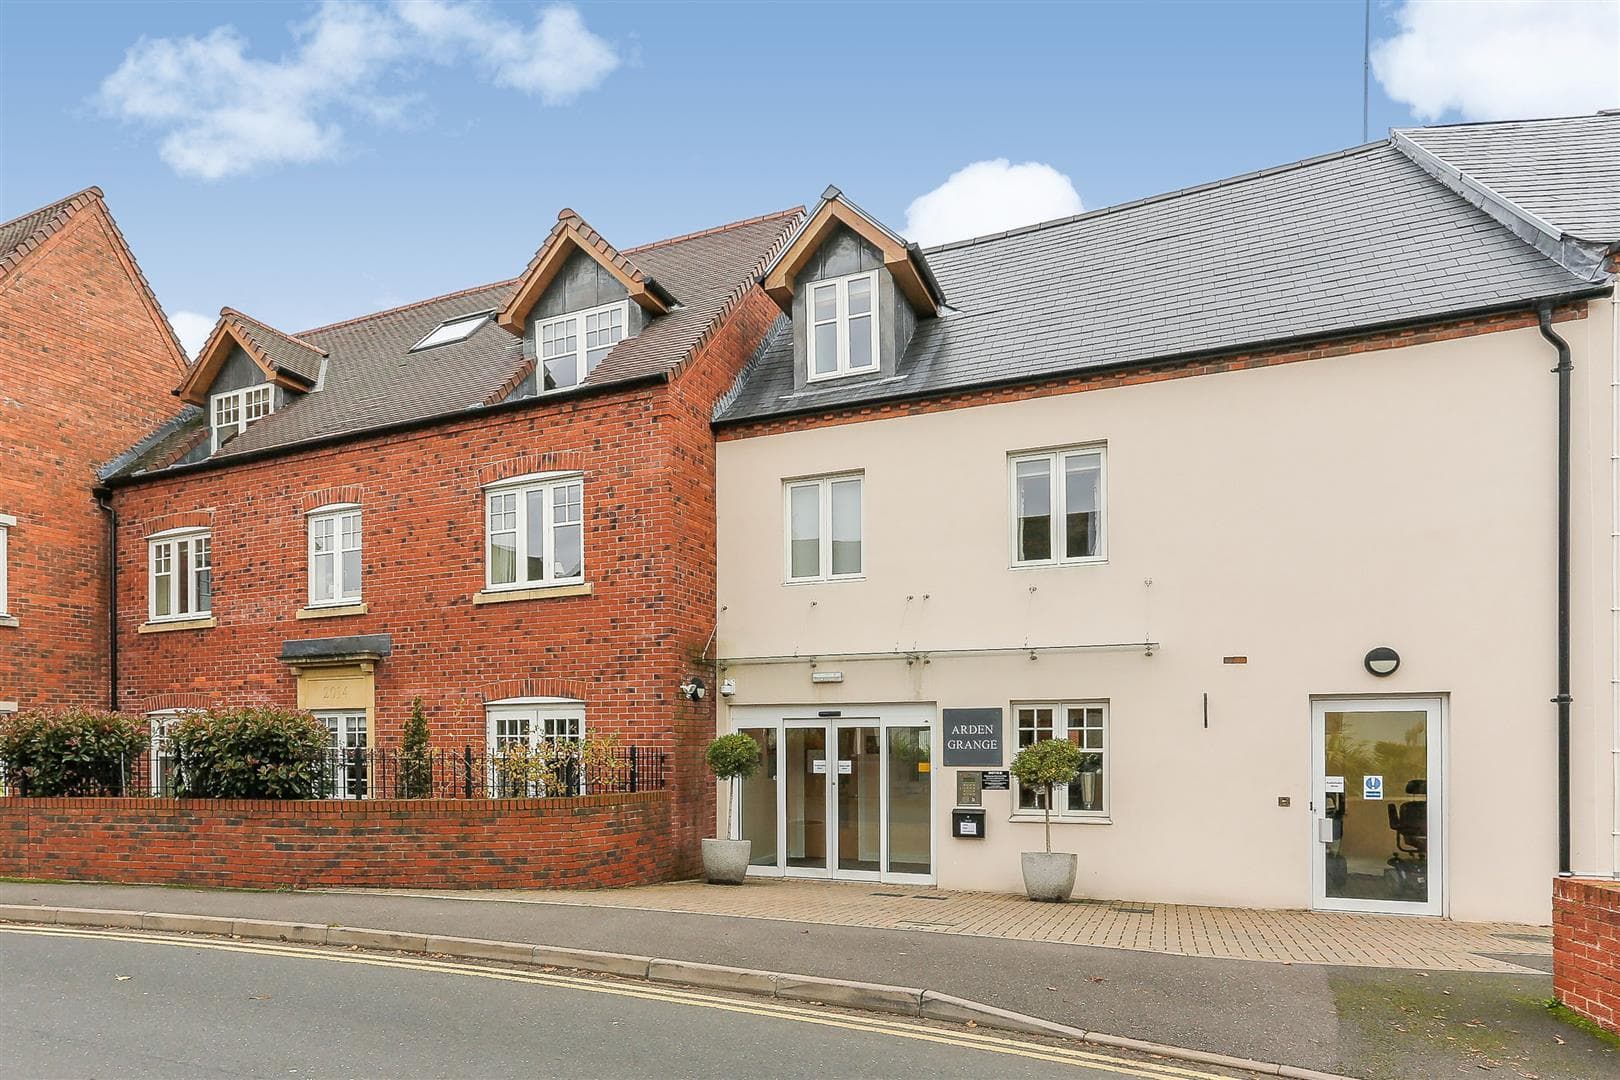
(531, 688)
(329, 496)
(184, 519)
(524, 464)
(164, 702)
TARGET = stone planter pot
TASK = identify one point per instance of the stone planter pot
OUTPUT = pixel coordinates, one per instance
(725, 862)
(1048, 875)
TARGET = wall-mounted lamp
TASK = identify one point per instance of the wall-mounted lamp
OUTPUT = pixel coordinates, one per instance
(1382, 661)
(694, 690)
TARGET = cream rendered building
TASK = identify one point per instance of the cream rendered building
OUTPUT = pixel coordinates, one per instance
(1180, 481)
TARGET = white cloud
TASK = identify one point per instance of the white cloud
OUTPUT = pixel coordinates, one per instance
(224, 113)
(557, 58)
(193, 329)
(1502, 60)
(990, 196)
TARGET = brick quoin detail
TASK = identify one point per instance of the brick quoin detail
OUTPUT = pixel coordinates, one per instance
(88, 362)
(1081, 383)
(1586, 948)
(589, 841)
(647, 453)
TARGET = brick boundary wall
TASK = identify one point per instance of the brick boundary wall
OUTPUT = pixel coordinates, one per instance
(1586, 948)
(590, 841)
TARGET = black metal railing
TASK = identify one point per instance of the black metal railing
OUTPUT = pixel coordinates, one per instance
(440, 772)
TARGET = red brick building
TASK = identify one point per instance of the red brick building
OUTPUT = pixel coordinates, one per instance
(500, 501)
(87, 365)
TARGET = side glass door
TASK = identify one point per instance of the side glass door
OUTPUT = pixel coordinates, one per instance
(858, 784)
(1378, 805)
(804, 790)
(909, 810)
(348, 755)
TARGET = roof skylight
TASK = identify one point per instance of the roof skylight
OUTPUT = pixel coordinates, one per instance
(458, 329)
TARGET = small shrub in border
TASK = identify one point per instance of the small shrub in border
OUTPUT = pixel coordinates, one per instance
(71, 752)
(415, 756)
(258, 752)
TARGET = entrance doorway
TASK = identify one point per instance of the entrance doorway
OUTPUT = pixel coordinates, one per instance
(846, 797)
(1379, 806)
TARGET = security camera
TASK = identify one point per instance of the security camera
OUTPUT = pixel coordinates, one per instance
(728, 688)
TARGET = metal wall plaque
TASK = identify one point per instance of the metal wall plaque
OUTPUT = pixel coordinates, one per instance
(999, 780)
(967, 789)
(972, 736)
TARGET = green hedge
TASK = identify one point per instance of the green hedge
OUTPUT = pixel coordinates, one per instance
(70, 752)
(250, 753)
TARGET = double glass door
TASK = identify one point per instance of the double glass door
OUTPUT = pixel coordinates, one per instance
(847, 798)
(1378, 806)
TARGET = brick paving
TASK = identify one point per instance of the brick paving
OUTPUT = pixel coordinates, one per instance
(1288, 937)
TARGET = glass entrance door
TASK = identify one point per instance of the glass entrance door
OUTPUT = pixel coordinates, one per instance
(1377, 771)
(843, 798)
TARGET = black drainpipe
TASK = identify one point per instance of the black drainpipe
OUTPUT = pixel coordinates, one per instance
(102, 497)
(1564, 368)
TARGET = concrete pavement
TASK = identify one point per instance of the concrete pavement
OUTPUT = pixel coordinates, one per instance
(1335, 1019)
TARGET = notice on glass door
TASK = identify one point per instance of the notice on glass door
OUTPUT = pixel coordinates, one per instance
(1372, 787)
(819, 766)
(1333, 785)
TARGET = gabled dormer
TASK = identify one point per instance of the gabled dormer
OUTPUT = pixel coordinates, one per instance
(246, 371)
(578, 298)
(854, 289)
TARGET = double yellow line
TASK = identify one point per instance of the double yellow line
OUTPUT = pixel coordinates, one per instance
(965, 1038)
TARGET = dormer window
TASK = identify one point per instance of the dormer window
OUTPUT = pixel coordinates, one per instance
(843, 326)
(453, 330)
(571, 345)
(233, 410)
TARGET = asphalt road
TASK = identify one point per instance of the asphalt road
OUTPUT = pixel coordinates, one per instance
(87, 1003)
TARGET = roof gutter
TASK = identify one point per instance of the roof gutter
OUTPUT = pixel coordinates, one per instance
(1173, 360)
(393, 428)
(1563, 370)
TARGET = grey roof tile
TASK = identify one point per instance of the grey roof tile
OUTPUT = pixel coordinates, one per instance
(1330, 245)
(1565, 171)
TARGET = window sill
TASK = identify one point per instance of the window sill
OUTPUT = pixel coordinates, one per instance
(1060, 564)
(544, 592)
(9, 620)
(1039, 819)
(330, 611)
(164, 626)
(824, 580)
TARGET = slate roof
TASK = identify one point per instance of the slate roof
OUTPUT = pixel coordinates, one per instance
(1334, 244)
(1565, 171)
(373, 379)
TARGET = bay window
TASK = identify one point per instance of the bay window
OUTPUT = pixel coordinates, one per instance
(534, 532)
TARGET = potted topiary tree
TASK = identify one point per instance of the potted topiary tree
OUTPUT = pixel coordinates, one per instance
(731, 757)
(1048, 875)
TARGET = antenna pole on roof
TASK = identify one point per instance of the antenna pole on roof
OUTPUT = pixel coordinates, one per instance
(1366, 61)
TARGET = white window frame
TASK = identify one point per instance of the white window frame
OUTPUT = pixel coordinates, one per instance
(158, 722)
(521, 487)
(240, 400)
(473, 320)
(7, 523)
(341, 724)
(1057, 492)
(824, 484)
(841, 318)
(171, 541)
(336, 514)
(548, 720)
(1060, 730)
(582, 348)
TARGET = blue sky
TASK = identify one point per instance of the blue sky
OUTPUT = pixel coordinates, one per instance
(316, 162)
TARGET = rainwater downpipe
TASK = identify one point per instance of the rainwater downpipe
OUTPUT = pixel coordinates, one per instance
(103, 500)
(1614, 569)
(1564, 370)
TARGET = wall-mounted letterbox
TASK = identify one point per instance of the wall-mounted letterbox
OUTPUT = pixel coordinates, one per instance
(968, 824)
